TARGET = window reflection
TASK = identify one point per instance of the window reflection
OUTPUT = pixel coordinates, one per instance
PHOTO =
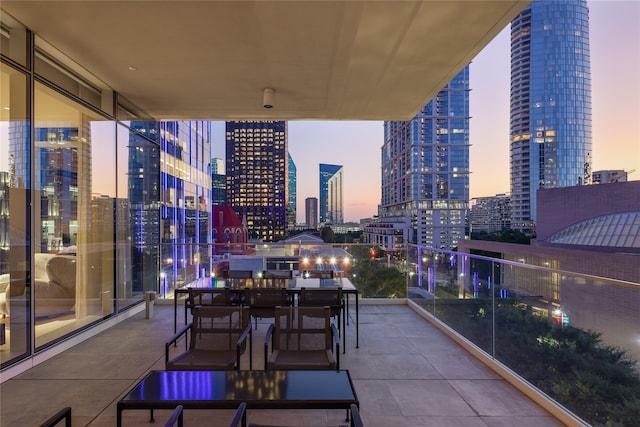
(14, 185)
(73, 271)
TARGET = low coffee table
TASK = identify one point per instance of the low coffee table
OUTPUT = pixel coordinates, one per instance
(227, 389)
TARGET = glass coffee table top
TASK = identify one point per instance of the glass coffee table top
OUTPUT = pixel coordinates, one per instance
(256, 386)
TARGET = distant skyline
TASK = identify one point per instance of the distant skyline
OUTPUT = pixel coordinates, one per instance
(615, 78)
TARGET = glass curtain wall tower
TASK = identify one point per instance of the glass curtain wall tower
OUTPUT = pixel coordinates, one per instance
(331, 194)
(292, 200)
(256, 153)
(218, 183)
(425, 168)
(185, 150)
(550, 135)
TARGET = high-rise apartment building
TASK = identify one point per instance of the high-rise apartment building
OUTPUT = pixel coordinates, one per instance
(331, 194)
(491, 214)
(425, 168)
(311, 212)
(292, 194)
(550, 136)
(257, 165)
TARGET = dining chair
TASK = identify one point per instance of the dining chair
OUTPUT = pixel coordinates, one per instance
(218, 338)
(323, 297)
(355, 421)
(176, 418)
(263, 301)
(240, 417)
(206, 296)
(302, 338)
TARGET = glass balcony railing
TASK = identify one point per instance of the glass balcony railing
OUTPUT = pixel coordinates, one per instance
(376, 274)
(574, 337)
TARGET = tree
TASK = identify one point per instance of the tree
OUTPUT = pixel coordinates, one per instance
(506, 236)
(375, 280)
(327, 234)
(599, 383)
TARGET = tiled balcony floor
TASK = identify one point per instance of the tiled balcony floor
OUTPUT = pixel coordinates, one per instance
(406, 373)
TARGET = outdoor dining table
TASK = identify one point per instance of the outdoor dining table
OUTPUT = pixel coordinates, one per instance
(293, 286)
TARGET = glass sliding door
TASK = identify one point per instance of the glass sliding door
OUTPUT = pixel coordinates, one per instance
(15, 186)
(75, 207)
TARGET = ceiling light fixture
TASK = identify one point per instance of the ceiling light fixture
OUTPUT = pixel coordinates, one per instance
(267, 98)
(132, 68)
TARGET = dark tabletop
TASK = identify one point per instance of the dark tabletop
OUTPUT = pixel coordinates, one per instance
(256, 386)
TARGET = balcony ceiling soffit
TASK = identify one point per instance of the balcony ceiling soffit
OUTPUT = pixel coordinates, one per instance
(326, 60)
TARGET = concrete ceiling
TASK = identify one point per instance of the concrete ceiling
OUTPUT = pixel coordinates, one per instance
(325, 60)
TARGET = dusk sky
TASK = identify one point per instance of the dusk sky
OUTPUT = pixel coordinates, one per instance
(615, 80)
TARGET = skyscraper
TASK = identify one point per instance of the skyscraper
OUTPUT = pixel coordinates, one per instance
(311, 212)
(292, 194)
(331, 194)
(218, 183)
(256, 153)
(185, 197)
(550, 136)
(425, 169)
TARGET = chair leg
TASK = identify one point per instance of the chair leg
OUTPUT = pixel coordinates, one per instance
(345, 307)
(344, 333)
